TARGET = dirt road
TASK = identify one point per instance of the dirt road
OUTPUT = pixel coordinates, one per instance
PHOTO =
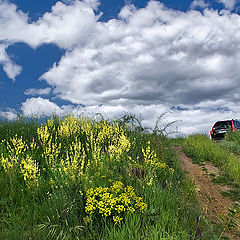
(213, 203)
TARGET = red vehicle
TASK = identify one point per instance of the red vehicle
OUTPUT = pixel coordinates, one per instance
(220, 128)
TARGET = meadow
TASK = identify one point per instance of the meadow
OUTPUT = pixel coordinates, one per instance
(82, 178)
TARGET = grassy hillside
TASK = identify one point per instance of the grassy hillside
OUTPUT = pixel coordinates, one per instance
(201, 149)
(77, 178)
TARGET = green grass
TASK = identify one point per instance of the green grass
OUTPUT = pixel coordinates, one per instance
(225, 155)
(231, 142)
(201, 149)
(52, 204)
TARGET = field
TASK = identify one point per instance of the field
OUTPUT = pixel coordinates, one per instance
(80, 178)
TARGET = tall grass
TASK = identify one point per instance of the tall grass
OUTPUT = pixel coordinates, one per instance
(232, 142)
(77, 178)
(201, 149)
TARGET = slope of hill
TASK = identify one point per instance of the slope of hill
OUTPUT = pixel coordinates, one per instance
(78, 178)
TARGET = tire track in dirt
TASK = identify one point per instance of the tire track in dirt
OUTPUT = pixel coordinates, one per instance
(213, 203)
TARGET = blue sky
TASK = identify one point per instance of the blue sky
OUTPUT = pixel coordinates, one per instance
(112, 57)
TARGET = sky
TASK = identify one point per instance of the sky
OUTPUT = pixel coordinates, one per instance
(116, 57)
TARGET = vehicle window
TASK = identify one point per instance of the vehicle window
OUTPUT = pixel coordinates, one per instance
(236, 124)
(225, 125)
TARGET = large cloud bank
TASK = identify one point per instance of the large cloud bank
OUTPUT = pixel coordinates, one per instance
(145, 61)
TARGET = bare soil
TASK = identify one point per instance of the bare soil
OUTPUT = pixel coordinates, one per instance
(213, 203)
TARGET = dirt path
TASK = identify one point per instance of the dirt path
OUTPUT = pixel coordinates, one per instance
(213, 203)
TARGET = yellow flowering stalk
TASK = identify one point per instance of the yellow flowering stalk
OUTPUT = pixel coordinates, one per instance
(113, 201)
(43, 134)
(69, 126)
(30, 171)
(151, 159)
(73, 165)
(117, 219)
(50, 145)
(18, 159)
(17, 146)
(116, 150)
(150, 167)
(15, 149)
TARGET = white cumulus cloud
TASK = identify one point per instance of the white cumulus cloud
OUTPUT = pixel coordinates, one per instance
(144, 61)
(153, 55)
(199, 4)
(9, 67)
(92, 3)
(189, 118)
(37, 91)
(67, 25)
(9, 114)
(229, 4)
(40, 107)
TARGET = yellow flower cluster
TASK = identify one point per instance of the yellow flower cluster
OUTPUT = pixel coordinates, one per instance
(69, 126)
(116, 151)
(73, 165)
(108, 133)
(113, 138)
(51, 147)
(151, 159)
(78, 145)
(30, 171)
(17, 159)
(44, 134)
(153, 165)
(74, 147)
(113, 201)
